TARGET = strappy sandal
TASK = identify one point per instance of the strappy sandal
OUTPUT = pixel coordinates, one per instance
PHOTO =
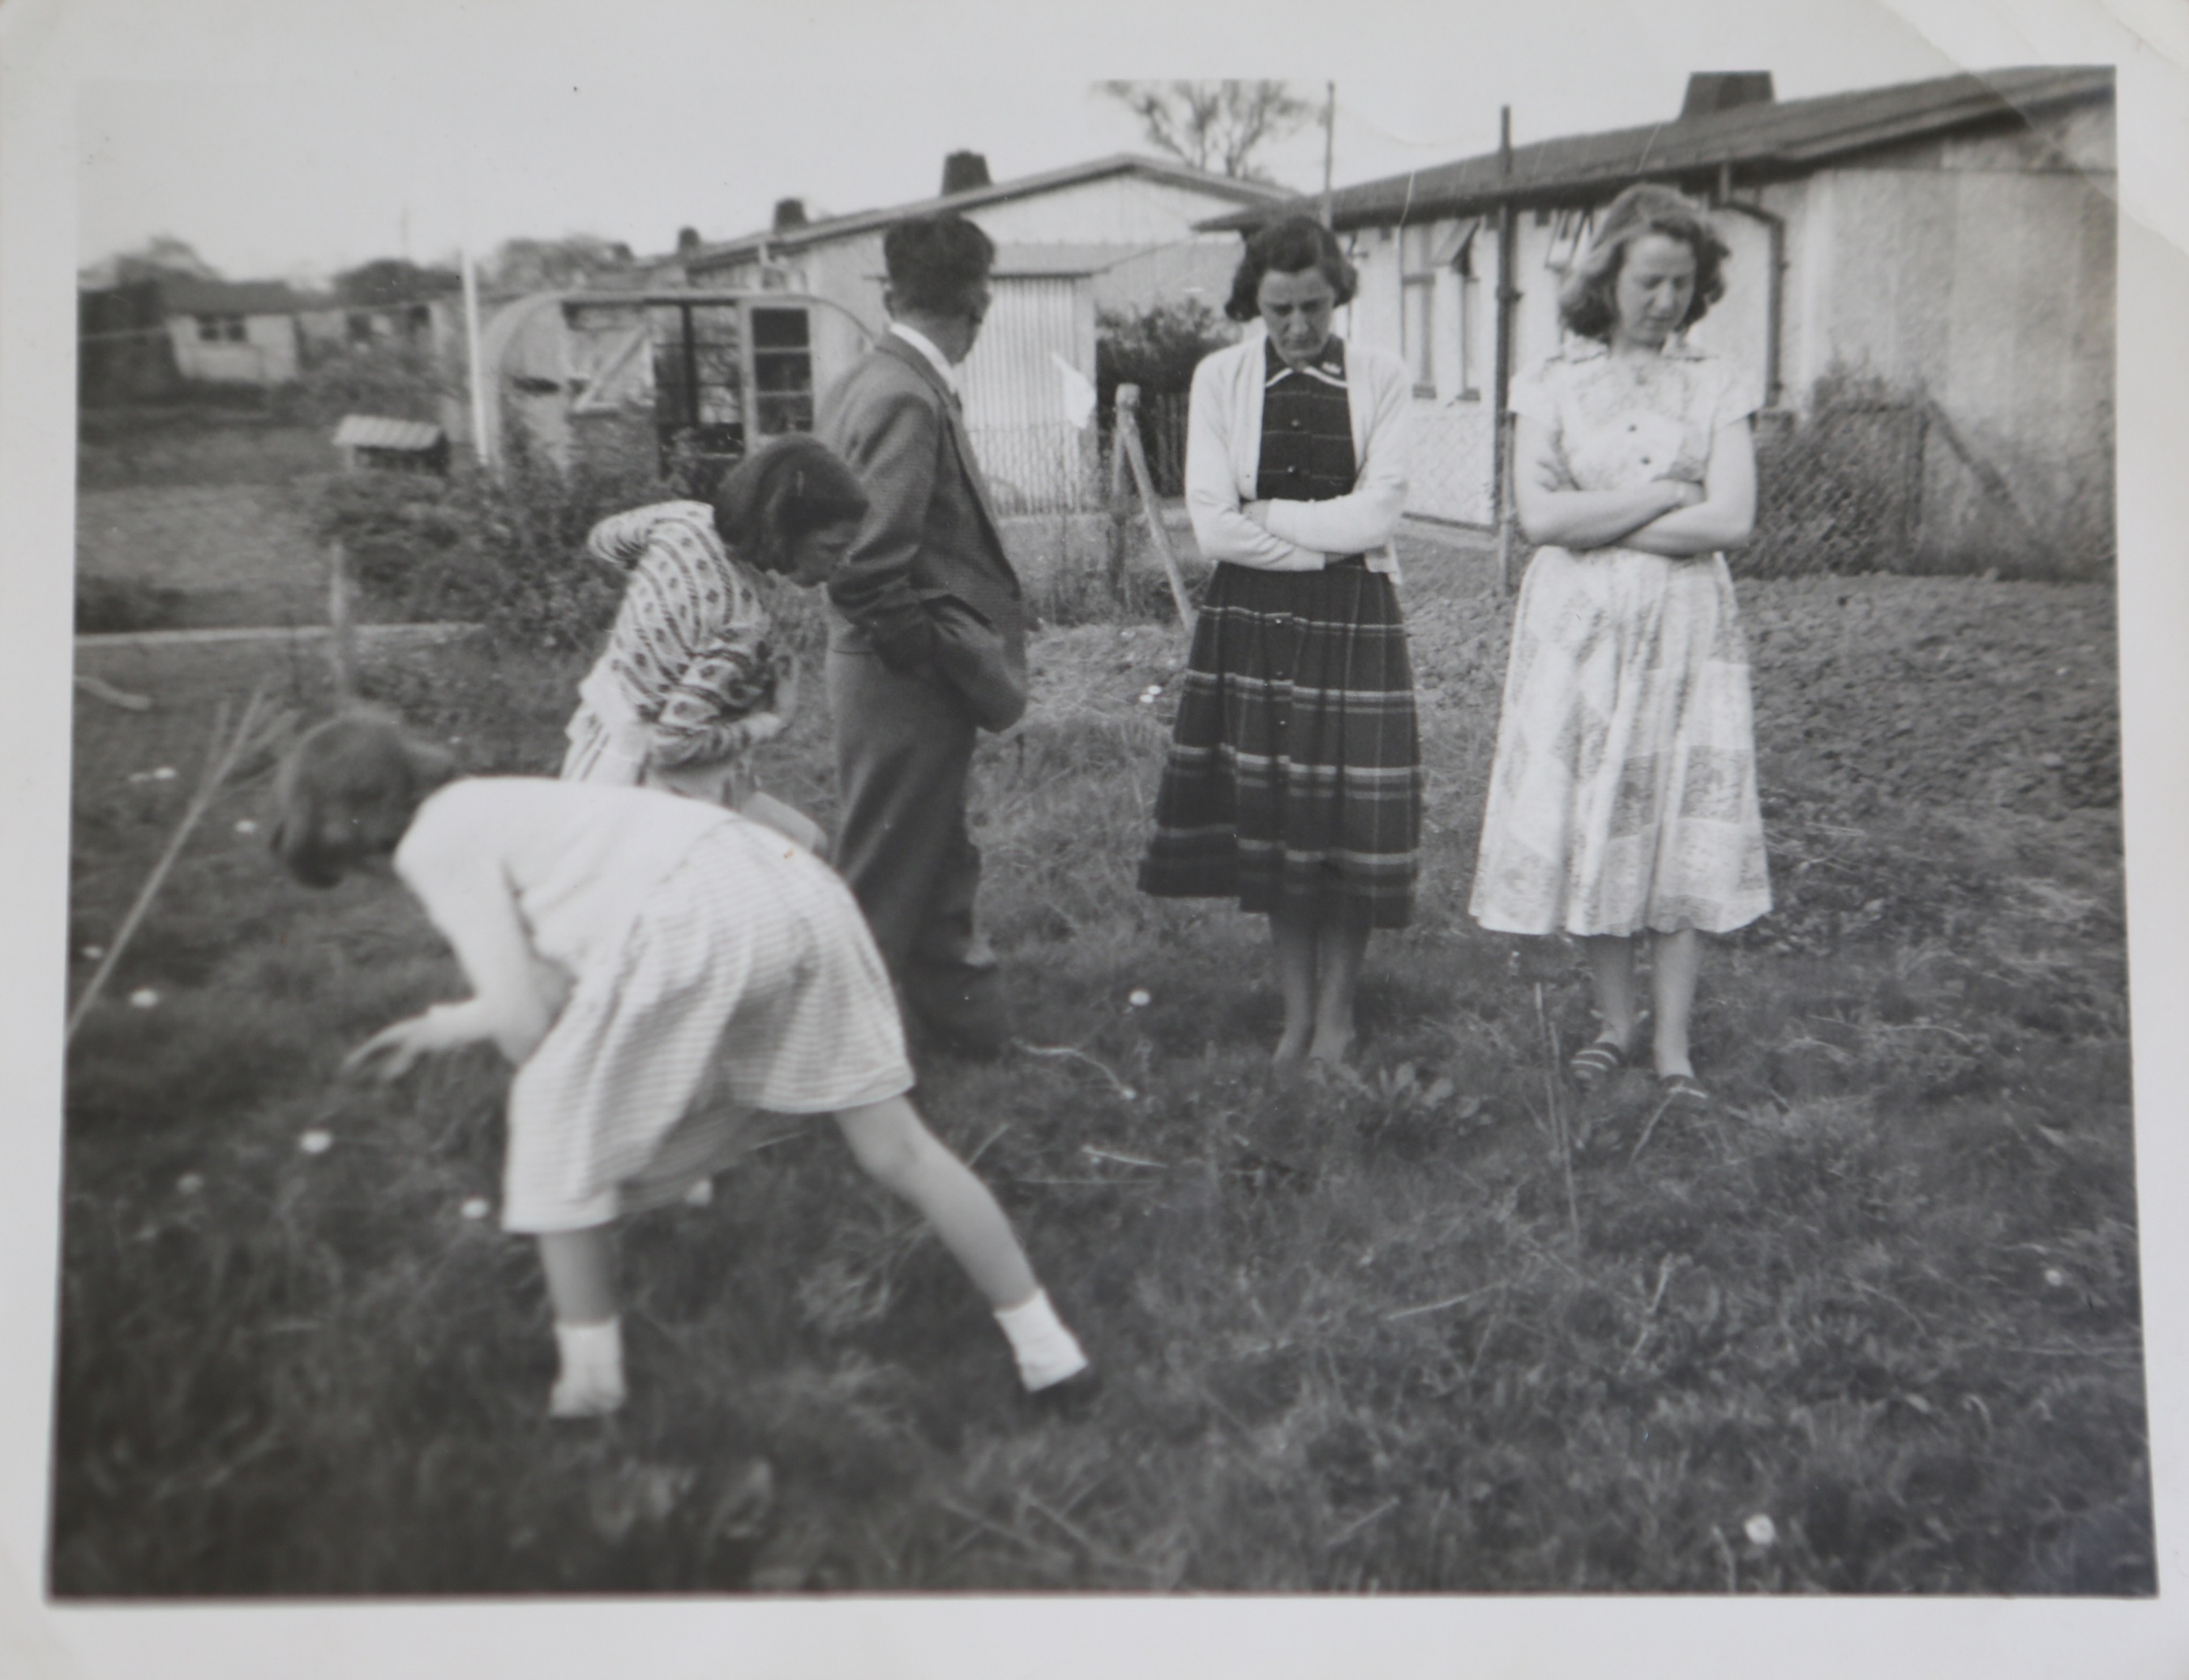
(1592, 1063)
(1683, 1093)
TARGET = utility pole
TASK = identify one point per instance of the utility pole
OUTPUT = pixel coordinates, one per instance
(482, 447)
(1508, 295)
(1329, 143)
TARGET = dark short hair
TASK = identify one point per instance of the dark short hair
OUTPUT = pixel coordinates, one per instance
(935, 261)
(347, 790)
(1588, 303)
(790, 485)
(1290, 246)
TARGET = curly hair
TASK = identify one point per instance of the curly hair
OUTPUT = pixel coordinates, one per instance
(1588, 301)
(935, 262)
(1290, 246)
(789, 486)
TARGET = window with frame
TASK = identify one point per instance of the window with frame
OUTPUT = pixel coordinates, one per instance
(1417, 307)
(220, 329)
(1470, 315)
(1569, 237)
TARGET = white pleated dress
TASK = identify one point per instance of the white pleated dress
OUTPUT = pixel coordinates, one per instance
(717, 972)
(1622, 797)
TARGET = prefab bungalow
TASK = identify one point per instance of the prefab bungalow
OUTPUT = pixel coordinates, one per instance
(1115, 233)
(1932, 263)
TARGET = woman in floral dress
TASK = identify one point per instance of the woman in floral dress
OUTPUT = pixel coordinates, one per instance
(1623, 800)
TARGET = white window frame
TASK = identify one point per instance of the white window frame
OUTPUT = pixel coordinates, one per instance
(1417, 306)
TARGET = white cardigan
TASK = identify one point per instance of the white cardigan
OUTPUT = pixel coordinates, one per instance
(1223, 457)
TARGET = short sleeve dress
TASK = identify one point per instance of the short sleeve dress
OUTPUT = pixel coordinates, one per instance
(1622, 797)
(717, 976)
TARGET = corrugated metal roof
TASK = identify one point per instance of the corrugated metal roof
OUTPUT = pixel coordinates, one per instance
(1077, 174)
(1786, 136)
(375, 432)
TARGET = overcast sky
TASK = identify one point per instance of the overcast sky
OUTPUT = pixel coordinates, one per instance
(269, 176)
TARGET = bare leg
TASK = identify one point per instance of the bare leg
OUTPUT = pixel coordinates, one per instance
(580, 1272)
(1294, 930)
(1341, 946)
(580, 1266)
(893, 1145)
(1611, 967)
(1675, 963)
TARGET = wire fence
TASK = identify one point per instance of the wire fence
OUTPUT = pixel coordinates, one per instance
(1840, 492)
(1449, 476)
(1872, 479)
(1043, 467)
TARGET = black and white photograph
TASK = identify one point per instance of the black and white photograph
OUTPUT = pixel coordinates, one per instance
(892, 843)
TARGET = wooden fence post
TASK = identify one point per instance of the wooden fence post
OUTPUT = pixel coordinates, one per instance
(342, 632)
(1121, 511)
(1128, 433)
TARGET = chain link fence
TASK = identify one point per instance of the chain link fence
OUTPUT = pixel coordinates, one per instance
(1874, 479)
(1044, 467)
(1841, 491)
(1449, 476)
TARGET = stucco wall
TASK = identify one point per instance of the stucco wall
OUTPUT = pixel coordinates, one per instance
(1981, 275)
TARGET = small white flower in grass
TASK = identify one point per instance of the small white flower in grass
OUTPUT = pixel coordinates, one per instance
(1761, 1530)
(94, 953)
(144, 998)
(1140, 998)
(191, 1183)
(1127, 1092)
(316, 1141)
(2054, 1278)
(474, 1208)
(245, 826)
(700, 1195)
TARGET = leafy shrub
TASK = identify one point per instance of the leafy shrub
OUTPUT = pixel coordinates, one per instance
(504, 548)
(387, 377)
(1156, 348)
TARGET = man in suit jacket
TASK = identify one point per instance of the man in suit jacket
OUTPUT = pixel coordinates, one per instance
(927, 643)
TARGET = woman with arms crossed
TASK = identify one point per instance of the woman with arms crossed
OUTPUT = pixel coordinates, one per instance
(1293, 781)
(1623, 800)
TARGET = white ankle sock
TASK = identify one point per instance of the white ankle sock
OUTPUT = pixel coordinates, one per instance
(1046, 1351)
(590, 1381)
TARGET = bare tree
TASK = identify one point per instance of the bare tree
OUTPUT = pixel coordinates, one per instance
(1216, 126)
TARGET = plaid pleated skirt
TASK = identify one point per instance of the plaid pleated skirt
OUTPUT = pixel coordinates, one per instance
(1294, 773)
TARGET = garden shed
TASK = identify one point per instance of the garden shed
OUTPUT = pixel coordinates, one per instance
(1922, 277)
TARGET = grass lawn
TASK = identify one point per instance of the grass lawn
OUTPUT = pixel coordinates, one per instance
(1873, 1326)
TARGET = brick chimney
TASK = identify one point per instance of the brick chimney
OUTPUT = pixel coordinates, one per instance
(1717, 90)
(789, 213)
(963, 170)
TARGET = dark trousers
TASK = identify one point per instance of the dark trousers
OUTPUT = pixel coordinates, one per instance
(904, 748)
